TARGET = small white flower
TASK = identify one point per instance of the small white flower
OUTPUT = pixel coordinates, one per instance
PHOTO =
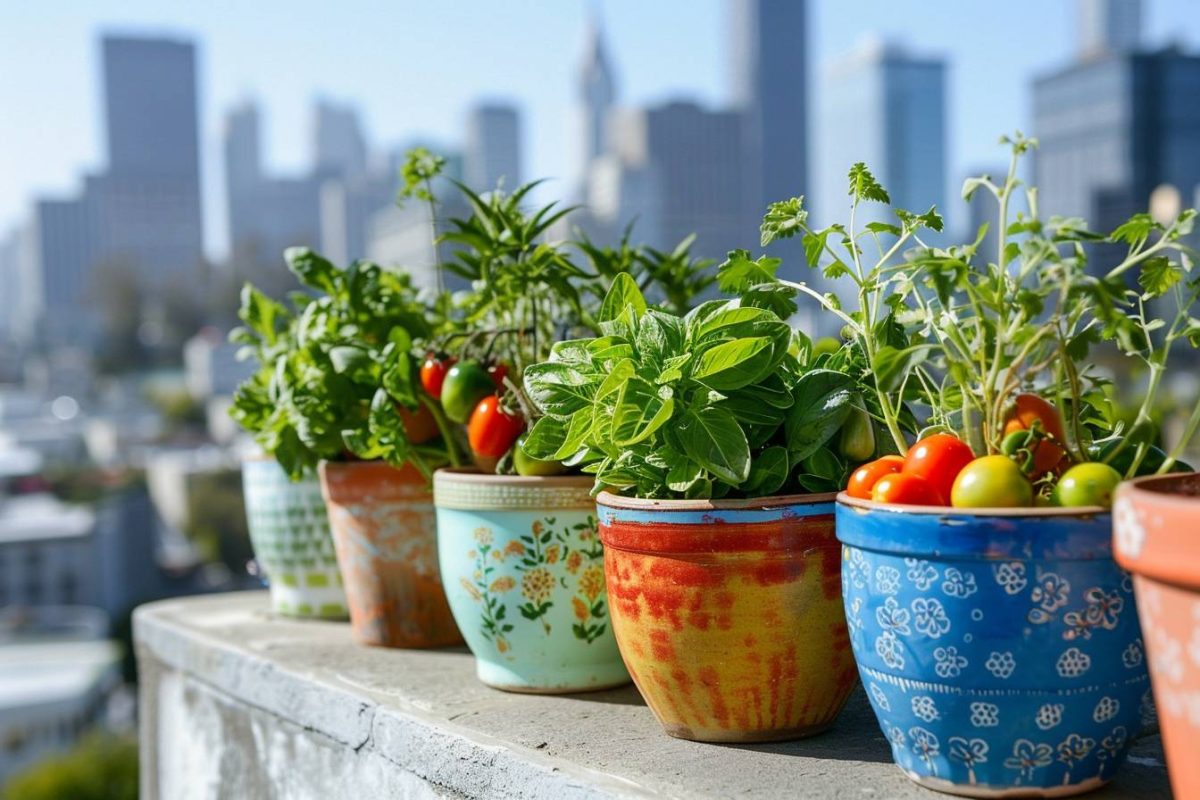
(947, 662)
(1001, 664)
(892, 617)
(1028, 756)
(887, 647)
(1073, 663)
(897, 737)
(1011, 577)
(969, 751)
(959, 584)
(887, 580)
(929, 617)
(1049, 716)
(985, 715)
(920, 573)
(924, 707)
(1129, 534)
(856, 566)
(924, 744)
(1106, 709)
(1132, 657)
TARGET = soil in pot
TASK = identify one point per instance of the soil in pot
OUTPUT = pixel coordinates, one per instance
(1000, 650)
(1156, 536)
(729, 614)
(384, 530)
(523, 567)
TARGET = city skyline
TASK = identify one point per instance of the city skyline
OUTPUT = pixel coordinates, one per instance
(973, 122)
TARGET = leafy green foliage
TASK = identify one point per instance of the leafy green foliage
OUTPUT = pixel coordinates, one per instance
(417, 172)
(676, 277)
(706, 405)
(101, 767)
(336, 370)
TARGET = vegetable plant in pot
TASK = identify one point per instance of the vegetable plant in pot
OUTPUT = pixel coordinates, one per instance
(285, 513)
(996, 636)
(352, 387)
(715, 441)
(521, 559)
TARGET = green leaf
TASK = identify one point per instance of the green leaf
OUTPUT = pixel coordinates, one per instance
(313, 270)
(1157, 275)
(713, 439)
(768, 473)
(684, 474)
(739, 271)
(352, 361)
(822, 402)
(558, 389)
(891, 364)
(883, 227)
(641, 409)
(734, 364)
(783, 220)
(863, 185)
(622, 294)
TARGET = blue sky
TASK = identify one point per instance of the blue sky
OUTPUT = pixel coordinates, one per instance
(415, 67)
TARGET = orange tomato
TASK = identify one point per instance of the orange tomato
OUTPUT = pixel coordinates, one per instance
(1029, 410)
(938, 459)
(904, 488)
(419, 426)
(865, 477)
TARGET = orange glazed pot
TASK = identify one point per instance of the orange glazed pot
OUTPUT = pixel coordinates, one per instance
(729, 613)
(1156, 523)
(386, 540)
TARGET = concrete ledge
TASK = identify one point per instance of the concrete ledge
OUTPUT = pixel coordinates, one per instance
(239, 703)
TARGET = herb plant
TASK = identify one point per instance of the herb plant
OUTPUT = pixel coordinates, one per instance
(724, 401)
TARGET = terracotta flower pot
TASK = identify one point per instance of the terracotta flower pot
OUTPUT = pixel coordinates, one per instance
(289, 531)
(523, 567)
(1000, 649)
(728, 613)
(383, 528)
(1157, 538)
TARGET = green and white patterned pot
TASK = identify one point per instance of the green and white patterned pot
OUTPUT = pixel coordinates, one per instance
(523, 568)
(289, 530)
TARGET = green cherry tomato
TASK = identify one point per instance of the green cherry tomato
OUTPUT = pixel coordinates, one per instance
(1087, 484)
(991, 482)
(526, 464)
(856, 442)
(466, 383)
(1123, 459)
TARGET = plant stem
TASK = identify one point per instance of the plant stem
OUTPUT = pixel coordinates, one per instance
(443, 425)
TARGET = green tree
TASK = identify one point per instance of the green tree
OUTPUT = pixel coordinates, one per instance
(101, 767)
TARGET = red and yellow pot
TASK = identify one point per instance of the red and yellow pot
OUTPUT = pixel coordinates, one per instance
(1156, 536)
(385, 535)
(729, 613)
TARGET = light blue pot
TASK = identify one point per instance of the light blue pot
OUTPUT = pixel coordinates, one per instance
(289, 531)
(1001, 651)
(523, 569)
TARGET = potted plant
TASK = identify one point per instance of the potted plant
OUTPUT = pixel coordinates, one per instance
(352, 391)
(1156, 520)
(995, 634)
(716, 439)
(285, 513)
(520, 555)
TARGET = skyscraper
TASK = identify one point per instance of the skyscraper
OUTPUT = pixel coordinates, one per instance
(145, 208)
(493, 147)
(243, 174)
(1109, 26)
(886, 107)
(598, 94)
(1113, 129)
(340, 146)
(770, 82)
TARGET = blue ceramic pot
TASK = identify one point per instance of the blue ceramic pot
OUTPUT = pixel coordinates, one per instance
(1000, 650)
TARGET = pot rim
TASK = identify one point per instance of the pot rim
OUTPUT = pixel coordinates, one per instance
(1160, 489)
(622, 502)
(474, 476)
(1031, 512)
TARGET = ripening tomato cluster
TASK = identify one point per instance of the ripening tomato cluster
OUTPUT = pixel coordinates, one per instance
(942, 470)
(471, 393)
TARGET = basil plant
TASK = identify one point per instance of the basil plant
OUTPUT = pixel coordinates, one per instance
(724, 401)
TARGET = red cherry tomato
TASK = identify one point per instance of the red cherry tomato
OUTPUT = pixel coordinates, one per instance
(433, 374)
(903, 488)
(1029, 410)
(498, 372)
(865, 477)
(938, 459)
(419, 425)
(491, 430)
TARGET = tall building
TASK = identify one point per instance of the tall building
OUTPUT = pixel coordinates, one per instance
(887, 108)
(146, 205)
(694, 159)
(1109, 26)
(598, 95)
(1115, 128)
(770, 82)
(62, 239)
(243, 173)
(493, 147)
(340, 146)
